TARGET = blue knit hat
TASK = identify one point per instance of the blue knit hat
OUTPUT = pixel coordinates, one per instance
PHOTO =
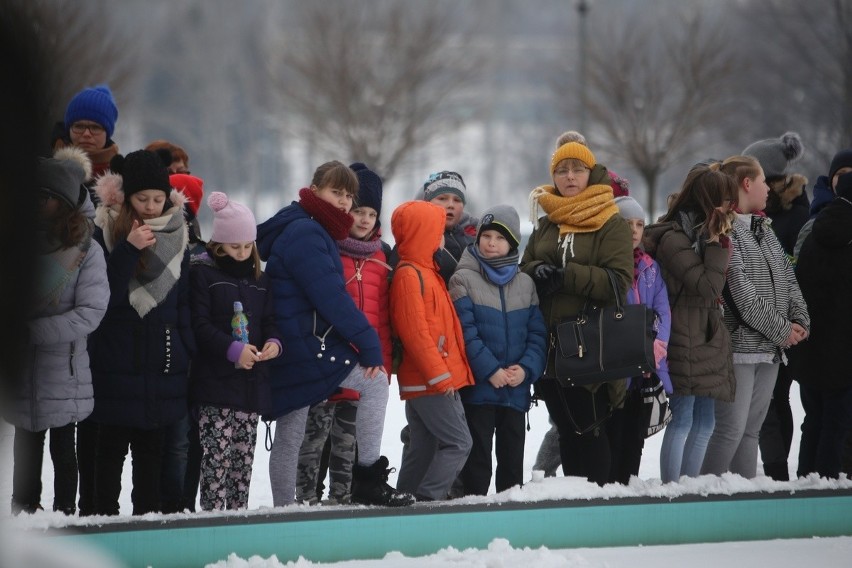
(96, 104)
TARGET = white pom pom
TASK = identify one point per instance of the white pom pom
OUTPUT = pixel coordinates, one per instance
(217, 201)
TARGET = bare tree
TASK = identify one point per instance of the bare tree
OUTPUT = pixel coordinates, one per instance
(82, 45)
(374, 80)
(653, 91)
(800, 52)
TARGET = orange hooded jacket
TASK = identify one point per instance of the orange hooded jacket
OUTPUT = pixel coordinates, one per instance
(424, 318)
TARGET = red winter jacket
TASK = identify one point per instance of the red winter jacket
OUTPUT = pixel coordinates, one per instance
(367, 282)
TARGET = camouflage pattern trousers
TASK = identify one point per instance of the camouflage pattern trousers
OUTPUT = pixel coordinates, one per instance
(338, 420)
(227, 444)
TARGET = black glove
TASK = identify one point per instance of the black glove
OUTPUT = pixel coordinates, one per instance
(548, 279)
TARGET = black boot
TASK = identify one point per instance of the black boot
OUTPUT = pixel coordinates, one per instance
(370, 487)
(777, 471)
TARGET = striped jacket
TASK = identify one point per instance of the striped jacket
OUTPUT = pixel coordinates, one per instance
(764, 299)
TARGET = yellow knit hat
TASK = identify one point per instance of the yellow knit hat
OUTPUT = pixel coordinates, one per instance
(572, 150)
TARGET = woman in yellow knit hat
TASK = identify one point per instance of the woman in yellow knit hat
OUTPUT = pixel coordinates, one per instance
(580, 235)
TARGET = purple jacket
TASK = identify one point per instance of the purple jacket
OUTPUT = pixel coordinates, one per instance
(649, 289)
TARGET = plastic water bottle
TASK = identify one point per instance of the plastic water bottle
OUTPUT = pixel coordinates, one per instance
(239, 325)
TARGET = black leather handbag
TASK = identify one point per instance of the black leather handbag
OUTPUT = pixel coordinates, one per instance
(603, 344)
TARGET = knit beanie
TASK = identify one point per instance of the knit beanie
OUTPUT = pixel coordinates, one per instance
(842, 159)
(844, 186)
(63, 175)
(776, 154)
(95, 104)
(192, 187)
(573, 150)
(629, 208)
(232, 222)
(444, 182)
(369, 187)
(620, 186)
(142, 169)
(503, 219)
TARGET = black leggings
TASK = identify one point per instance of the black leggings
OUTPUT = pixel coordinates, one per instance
(29, 454)
(574, 410)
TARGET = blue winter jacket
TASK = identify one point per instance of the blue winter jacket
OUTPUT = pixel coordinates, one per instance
(323, 331)
(139, 365)
(502, 326)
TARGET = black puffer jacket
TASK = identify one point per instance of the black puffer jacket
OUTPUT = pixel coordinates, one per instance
(825, 278)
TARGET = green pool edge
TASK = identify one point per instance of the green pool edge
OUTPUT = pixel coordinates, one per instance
(368, 534)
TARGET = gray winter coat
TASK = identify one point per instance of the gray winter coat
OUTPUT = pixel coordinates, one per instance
(57, 387)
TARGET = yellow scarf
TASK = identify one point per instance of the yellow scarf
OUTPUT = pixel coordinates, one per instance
(584, 213)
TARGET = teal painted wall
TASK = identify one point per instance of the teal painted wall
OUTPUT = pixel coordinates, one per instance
(422, 531)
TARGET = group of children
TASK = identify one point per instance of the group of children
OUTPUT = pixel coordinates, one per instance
(154, 325)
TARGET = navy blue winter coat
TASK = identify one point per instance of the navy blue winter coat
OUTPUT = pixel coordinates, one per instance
(214, 379)
(311, 302)
(139, 365)
(502, 326)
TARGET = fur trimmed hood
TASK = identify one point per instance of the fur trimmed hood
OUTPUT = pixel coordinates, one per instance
(75, 154)
(109, 190)
(785, 191)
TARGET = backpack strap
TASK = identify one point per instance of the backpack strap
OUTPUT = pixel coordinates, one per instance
(419, 276)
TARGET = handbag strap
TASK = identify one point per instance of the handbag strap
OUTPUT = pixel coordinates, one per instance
(613, 282)
(594, 425)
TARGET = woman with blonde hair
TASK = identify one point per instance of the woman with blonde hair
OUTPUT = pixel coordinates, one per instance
(568, 254)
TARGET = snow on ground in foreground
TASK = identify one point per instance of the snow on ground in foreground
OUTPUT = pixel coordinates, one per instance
(826, 552)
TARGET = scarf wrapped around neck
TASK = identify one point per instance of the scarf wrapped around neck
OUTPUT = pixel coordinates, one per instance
(162, 261)
(585, 212)
(499, 271)
(356, 248)
(56, 266)
(333, 220)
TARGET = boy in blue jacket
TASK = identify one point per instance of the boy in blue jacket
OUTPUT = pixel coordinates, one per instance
(505, 338)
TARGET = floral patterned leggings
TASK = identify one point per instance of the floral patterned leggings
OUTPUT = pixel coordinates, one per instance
(227, 443)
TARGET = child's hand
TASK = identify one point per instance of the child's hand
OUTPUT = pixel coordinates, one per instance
(516, 375)
(141, 236)
(270, 351)
(661, 349)
(373, 372)
(499, 379)
(248, 357)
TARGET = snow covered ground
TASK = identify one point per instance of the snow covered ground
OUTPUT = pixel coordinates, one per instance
(826, 552)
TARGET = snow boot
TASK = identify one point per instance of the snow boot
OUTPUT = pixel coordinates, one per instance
(370, 487)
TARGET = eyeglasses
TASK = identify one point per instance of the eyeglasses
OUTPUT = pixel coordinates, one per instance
(577, 171)
(81, 127)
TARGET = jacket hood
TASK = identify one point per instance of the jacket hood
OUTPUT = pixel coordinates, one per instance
(653, 234)
(833, 226)
(269, 230)
(823, 195)
(417, 228)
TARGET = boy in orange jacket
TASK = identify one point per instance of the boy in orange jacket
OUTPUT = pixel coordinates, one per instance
(434, 366)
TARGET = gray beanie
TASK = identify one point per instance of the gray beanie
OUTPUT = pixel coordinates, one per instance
(503, 219)
(63, 177)
(776, 154)
(629, 208)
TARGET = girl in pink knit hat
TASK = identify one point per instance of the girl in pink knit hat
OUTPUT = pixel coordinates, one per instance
(235, 330)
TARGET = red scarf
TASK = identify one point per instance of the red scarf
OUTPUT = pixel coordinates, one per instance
(333, 220)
